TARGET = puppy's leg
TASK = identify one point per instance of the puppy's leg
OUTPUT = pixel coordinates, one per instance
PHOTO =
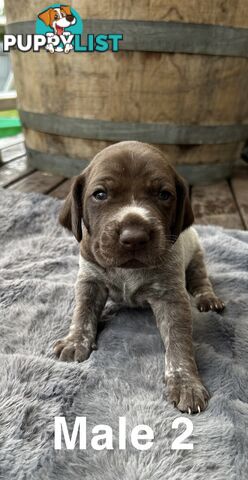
(199, 285)
(80, 341)
(173, 318)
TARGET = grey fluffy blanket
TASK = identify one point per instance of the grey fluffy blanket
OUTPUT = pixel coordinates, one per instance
(124, 377)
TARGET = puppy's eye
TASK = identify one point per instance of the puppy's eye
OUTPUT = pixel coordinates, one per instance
(56, 17)
(164, 195)
(100, 195)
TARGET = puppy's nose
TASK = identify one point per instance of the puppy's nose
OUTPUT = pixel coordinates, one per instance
(133, 237)
(69, 18)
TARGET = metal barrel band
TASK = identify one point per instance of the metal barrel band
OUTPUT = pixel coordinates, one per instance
(161, 133)
(162, 36)
(68, 166)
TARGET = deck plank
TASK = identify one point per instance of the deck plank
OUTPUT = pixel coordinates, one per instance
(214, 204)
(14, 171)
(8, 141)
(239, 184)
(39, 182)
(12, 152)
(218, 204)
(62, 190)
(8, 100)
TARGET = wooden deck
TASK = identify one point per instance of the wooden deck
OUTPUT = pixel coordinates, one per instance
(224, 203)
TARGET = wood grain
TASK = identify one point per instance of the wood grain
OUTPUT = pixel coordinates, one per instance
(12, 152)
(139, 87)
(62, 190)
(229, 12)
(14, 171)
(40, 182)
(7, 100)
(135, 87)
(214, 204)
(223, 12)
(87, 149)
(8, 141)
(239, 185)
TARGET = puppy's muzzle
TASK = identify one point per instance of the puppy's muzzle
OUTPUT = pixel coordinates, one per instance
(134, 237)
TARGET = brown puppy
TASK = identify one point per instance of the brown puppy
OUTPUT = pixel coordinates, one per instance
(137, 248)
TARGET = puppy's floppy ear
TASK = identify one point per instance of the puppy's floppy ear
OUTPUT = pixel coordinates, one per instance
(184, 216)
(72, 211)
(45, 16)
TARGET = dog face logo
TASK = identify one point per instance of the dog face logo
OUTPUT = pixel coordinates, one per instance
(59, 23)
(58, 18)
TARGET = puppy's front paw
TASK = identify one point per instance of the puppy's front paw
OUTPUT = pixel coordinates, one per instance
(207, 301)
(71, 349)
(187, 393)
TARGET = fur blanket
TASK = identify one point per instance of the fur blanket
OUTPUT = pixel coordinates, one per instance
(124, 377)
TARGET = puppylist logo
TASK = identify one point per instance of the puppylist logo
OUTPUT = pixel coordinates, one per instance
(59, 24)
(59, 28)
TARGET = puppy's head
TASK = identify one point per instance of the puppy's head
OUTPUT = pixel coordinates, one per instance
(133, 205)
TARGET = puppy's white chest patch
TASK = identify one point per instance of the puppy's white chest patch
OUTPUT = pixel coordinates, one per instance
(123, 285)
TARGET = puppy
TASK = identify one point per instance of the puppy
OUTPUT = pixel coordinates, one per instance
(137, 248)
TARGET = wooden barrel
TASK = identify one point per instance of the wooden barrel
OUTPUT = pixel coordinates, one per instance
(179, 82)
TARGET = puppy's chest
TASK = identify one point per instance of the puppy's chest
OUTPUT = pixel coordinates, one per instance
(130, 287)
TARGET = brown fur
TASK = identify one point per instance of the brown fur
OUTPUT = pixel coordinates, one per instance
(138, 173)
(137, 249)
